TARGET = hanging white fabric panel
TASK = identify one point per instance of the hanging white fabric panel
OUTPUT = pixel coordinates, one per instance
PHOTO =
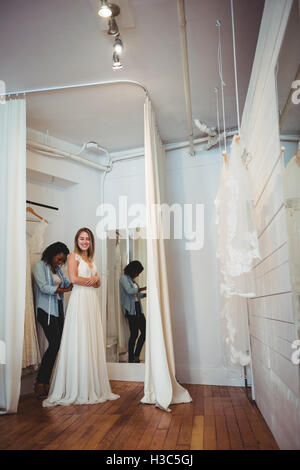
(161, 386)
(237, 249)
(13, 248)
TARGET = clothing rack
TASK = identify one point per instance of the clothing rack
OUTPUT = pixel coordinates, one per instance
(42, 205)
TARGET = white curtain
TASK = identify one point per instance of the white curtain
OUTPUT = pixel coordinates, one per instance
(13, 248)
(161, 386)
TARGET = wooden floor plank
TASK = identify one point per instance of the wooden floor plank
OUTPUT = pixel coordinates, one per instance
(247, 434)
(209, 433)
(197, 433)
(217, 418)
(173, 433)
(222, 436)
(146, 438)
(158, 439)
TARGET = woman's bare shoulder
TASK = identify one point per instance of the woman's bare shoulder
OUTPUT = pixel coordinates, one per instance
(73, 257)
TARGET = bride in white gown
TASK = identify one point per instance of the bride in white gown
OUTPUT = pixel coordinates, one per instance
(80, 375)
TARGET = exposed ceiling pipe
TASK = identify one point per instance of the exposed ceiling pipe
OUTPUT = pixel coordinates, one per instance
(174, 146)
(186, 73)
(57, 153)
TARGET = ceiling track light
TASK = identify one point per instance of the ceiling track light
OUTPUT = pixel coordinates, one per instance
(118, 45)
(117, 65)
(113, 29)
(105, 9)
(110, 11)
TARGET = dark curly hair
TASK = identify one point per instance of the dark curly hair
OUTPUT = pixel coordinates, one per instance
(53, 250)
(133, 269)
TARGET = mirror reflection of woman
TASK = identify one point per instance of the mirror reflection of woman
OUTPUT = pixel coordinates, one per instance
(49, 287)
(131, 295)
(80, 376)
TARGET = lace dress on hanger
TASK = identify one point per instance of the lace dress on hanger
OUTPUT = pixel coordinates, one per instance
(237, 248)
(80, 375)
(31, 353)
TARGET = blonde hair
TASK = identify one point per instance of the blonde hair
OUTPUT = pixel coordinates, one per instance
(91, 248)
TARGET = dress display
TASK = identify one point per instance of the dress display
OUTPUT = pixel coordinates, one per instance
(31, 352)
(237, 248)
(80, 375)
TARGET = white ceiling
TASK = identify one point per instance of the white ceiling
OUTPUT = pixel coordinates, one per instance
(47, 43)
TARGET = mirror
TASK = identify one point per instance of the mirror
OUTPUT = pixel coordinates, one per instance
(288, 85)
(124, 246)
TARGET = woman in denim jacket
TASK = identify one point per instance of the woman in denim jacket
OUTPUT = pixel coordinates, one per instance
(130, 295)
(49, 287)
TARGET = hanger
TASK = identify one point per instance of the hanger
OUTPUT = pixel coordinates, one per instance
(117, 237)
(29, 209)
(225, 156)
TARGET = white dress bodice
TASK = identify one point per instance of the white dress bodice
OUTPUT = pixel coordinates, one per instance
(84, 269)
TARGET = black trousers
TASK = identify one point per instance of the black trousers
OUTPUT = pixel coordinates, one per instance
(53, 333)
(137, 323)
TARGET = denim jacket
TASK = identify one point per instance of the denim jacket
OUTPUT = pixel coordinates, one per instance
(44, 288)
(127, 292)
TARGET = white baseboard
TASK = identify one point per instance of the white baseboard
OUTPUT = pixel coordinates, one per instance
(130, 372)
(209, 376)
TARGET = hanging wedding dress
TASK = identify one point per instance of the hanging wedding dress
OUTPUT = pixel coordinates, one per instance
(31, 352)
(237, 248)
(80, 375)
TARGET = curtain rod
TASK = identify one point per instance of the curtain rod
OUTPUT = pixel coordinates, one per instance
(42, 205)
(79, 85)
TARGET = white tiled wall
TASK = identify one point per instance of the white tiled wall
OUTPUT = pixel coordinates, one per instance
(271, 318)
(272, 328)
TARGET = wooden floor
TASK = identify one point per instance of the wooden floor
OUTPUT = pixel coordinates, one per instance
(218, 418)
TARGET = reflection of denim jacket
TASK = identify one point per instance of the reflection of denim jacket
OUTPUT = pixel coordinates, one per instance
(44, 288)
(127, 293)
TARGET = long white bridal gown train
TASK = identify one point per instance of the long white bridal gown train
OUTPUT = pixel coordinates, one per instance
(80, 375)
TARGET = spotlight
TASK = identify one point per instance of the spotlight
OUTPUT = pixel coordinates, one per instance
(105, 10)
(118, 45)
(117, 65)
(113, 29)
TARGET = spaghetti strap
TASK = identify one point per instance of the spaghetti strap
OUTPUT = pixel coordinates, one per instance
(77, 257)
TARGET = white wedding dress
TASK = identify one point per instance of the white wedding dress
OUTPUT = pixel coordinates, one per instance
(80, 375)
